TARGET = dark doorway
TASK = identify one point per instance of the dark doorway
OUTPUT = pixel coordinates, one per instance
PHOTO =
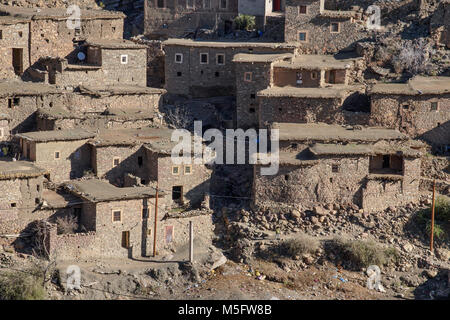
(228, 27)
(386, 161)
(126, 239)
(177, 193)
(17, 60)
(276, 5)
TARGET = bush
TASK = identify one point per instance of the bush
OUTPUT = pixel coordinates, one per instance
(245, 22)
(299, 246)
(21, 286)
(67, 224)
(441, 218)
(361, 254)
(413, 57)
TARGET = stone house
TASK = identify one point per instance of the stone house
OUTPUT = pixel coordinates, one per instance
(63, 153)
(120, 223)
(321, 164)
(310, 88)
(145, 154)
(419, 108)
(319, 27)
(21, 185)
(168, 18)
(19, 102)
(49, 32)
(205, 68)
(110, 62)
(14, 59)
(440, 24)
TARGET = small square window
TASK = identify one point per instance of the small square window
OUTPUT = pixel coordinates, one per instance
(302, 10)
(117, 216)
(116, 162)
(223, 4)
(434, 106)
(216, 74)
(203, 58)
(314, 75)
(252, 110)
(302, 36)
(13, 205)
(175, 170)
(335, 168)
(220, 59)
(16, 101)
(124, 59)
(178, 58)
(77, 31)
(335, 27)
(20, 34)
(179, 74)
(248, 76)
(405, 106)
(253, 96)
(57, 155)
(187, 169)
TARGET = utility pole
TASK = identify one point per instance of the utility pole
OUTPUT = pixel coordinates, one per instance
(156, 219)
(432, 217)
(191, 241)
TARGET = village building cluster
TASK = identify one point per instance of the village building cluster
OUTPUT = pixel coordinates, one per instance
(82, 133)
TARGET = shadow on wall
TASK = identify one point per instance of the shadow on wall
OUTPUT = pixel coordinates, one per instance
(135, 164)
(439, 138)
(357, 102)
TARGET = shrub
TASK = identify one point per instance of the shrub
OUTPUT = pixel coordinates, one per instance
(438, 231)
(361, 254)
(299, 246)
(441, 217)
(413, 57)
(67, 224)
(245, 22)
(21, 286)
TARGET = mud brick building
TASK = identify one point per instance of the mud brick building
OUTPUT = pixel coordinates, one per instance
(320, 164)
(21, 185)
(64, 153)
(110, 62)
(14, 59)
(440, 24)
(320, 27)
(206, 69)
(308, 88)
(170, 18)
(145, 154)
(20, 100)
(49, 34)
(419, 108)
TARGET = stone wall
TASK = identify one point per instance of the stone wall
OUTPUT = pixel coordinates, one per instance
(175, 19)
(74, 158)
(319, 38)
(246, 101)
(306, 110)
(413, 115)
(192, 78)
(18, 197)
(13, 37)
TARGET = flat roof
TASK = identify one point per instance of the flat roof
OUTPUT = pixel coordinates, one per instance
(57, 200)
(321, 149)
(57, 135)
(130, 137)
(326, 132)
(225, 44)
(22, 88)
(315, 62)
(8, 20)
(260, 58)
(114, 44)
(58, 13)
(96, 190)
(109, 90)
(332, 92)
(19, 170)
(337, 14)
(110, 113)
(418, 85)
